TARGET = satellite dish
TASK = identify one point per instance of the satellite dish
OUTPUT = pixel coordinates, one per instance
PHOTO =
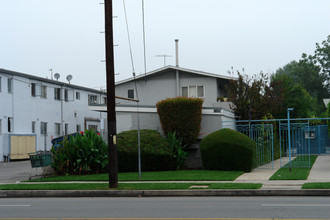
(69, 78)
(57, 76)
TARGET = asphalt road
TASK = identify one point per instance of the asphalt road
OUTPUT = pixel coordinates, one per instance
(167, 207)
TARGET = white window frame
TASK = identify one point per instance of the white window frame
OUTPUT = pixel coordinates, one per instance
(128, 90)
(196, 88)
(58, 129)
(77, 95)
(66, 129)
(66, 95)
(43, 128)
(10, 124)
(10, 85)
(33, 127)
(92, 126)
(33, 89)
(57, 94)
(43, 91)
(104, 100)
(92, 99)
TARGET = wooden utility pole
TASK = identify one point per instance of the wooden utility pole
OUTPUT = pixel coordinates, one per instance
(111, 105)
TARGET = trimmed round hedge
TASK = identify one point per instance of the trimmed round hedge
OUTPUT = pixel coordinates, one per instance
(182, 116)
(229, 150)
(156, 155)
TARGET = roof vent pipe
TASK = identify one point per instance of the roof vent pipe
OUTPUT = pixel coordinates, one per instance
(177, 52)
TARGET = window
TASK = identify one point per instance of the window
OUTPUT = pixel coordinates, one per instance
(0, 83)
(57, 93)
(43, 128)
(104, 100)
(44, 92)
(185, 91)
(193, 91)
(130, 93)
(38, 90)
(66, 95)
(10, 85)
(10, 124)
(66, 129)
(78, 95)
(92, 127)
(200, 91)
(78, 128)
(33, 89)
(33, 127)
(0, 127)
(92, 99)
(57, 129)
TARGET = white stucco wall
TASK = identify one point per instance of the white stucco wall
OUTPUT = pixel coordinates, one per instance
(149, 119)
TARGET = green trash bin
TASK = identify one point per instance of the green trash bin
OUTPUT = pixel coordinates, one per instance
(40, 159)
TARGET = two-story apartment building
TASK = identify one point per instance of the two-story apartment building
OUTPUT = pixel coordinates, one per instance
(34, 110)
(170, 82)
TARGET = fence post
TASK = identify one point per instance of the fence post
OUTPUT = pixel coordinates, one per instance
(289, 109)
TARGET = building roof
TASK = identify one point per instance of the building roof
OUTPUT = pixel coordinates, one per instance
(59, 83)
(166, 68)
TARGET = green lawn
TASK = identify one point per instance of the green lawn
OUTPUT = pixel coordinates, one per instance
(299, 173)
(180, 175)
(325, 185)
(126, 186)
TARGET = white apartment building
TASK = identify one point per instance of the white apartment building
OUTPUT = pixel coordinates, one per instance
(34, 110)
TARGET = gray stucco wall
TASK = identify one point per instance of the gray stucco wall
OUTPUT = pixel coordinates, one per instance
(157, 87)
(160, 86)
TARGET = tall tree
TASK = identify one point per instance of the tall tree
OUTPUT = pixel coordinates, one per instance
(295, 95)
(322, 57)
(255, 97)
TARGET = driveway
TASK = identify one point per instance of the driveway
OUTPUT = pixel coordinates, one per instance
(16, 171)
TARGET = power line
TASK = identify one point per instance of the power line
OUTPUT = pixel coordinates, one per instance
(137, 94)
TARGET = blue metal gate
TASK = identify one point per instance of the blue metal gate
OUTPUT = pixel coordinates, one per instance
(297, 145)
(294, 142)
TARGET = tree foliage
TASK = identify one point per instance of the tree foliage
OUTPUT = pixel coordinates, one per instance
(301, 85)
(305, 82)
(322, 57)
(255, 97)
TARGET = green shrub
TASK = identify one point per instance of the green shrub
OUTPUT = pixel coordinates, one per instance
(181, 115)
(86, 153)
(227, 149)
(177, 149)
(155, 152)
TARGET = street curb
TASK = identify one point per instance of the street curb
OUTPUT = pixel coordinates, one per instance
(156, 193)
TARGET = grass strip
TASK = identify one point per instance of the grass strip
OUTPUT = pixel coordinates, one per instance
(126, 186)
(179, 175)
(297, 173)
(325, 185)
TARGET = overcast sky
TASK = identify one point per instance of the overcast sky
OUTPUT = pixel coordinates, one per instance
(214, 35)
